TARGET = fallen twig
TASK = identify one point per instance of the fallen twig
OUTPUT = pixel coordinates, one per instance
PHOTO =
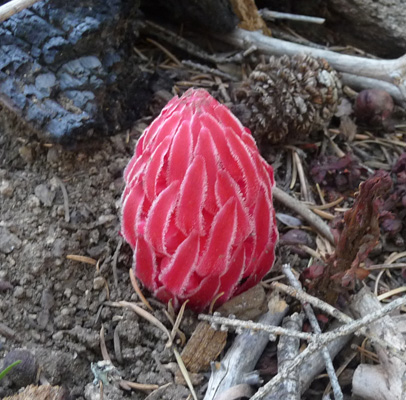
(321, 340)
(269, 15)
(386, 381)
(288, 349)
(304, 211)
(6, 331)
(241, 358)
(338, 395)
(340, 316)
(146, 315)
(224, 323)
(13, 7)
(65, 198)
(115, 260)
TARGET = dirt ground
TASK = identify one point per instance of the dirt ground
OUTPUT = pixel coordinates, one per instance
(55, 307)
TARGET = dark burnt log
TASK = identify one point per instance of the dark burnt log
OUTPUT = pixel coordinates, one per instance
(214, 16)
(68, 70)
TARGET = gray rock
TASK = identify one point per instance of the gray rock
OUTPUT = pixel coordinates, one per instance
(110, 392)
(6, 188)
(44, 194)
(8, 241)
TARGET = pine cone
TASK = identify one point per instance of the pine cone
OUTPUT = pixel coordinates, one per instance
(288, 98)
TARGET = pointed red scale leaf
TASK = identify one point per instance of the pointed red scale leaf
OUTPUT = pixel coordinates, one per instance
(180, 153)
(229, 281)
(193, 190)
(219, 139)
(228, 119)
(207, 290)
(159, 217)
(265, 175)
(131, 208)
(205, 148)
(170, 127)
(183, 262)
(266, 260)
(195, 128)
(134, 169)
(263, 225)
(249, 246)
(226, 189)
(249, 141)
(261, 268)
(145, 267)
(148, 136)
(165, 295)
(154, 167)
(216, 256)
(250, 173)
(173, 236)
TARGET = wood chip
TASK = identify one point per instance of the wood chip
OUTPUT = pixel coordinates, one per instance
(43, 392)
(203, 347)
(206, 344)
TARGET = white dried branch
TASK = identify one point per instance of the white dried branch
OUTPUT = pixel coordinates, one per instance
(321, 340)
(296, 205)
(389, 71)
(302, 296)
(313, 365)
(340, 316)
(219, 322)
(288, 350)
(360, 82)
(13, 7)
(269, 15)
(386, 381)
(338, 394)
(244, 353)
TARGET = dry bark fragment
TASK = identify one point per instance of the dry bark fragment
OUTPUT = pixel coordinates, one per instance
(207, 343)
(43, 392)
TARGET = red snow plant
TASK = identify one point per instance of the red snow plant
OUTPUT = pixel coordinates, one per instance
(197, 208)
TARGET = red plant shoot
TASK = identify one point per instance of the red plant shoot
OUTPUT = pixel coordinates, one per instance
(197, 207)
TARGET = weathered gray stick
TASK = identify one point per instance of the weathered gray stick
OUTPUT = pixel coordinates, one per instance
(386, 381)
(288, 349)
(13, 7)
(240, 360)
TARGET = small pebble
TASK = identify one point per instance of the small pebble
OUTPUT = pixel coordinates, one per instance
(58, 336)
(44, 194)
(19, 292)
(74, 299)
(6, 188)
(103, 219)
(8, 241)
(5, 285)
(33, 202)
(53, 155)
(98, 283)
(27, 154)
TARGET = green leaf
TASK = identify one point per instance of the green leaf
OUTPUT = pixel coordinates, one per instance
(8, 369)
